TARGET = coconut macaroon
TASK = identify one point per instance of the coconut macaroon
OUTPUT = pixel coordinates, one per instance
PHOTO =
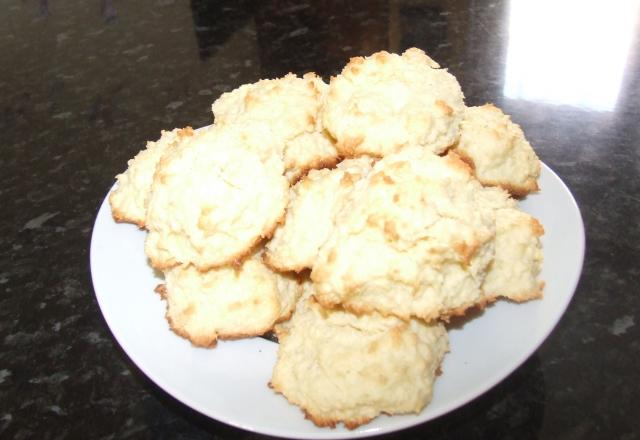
(309, 151)
(415, 240)
(384, 102)
(213, 198)
(498, 151)
(340, 367)
(228, 302)
(129, 199)
(289, 107)
(314, 203)
(517, 262)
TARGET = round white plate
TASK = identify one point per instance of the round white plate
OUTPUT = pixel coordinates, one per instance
(229, 383)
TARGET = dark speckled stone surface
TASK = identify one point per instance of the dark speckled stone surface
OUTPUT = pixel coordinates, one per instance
(84, 84)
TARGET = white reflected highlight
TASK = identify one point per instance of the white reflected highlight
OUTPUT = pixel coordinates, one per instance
(569, 52)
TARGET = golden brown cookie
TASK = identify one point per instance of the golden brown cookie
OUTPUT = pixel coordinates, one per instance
(497, 150)
(213, 198)
(384, 102)
(342, 368)
(415, 240)
(314, 203)
(289, 107)
(517, 263)
(129, 199)
(228, 302)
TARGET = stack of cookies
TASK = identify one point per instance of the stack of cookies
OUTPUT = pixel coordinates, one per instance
(352, 218)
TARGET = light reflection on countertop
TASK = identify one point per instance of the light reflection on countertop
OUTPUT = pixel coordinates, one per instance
(571, 52)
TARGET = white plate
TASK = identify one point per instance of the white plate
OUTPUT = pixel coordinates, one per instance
(229, 383)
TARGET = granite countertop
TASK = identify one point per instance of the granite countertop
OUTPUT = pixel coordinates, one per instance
(83, 85)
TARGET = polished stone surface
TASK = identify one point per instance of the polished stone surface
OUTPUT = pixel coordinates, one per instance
(84, 84)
